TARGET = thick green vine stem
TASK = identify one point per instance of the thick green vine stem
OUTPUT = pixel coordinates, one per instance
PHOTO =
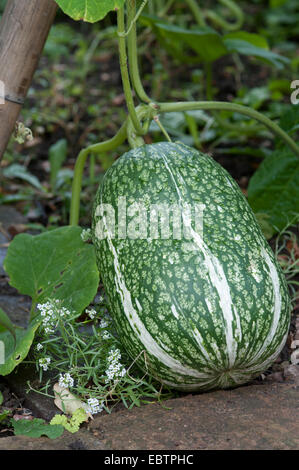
(220, 105)
(110, 144)
(124, 69)
(145, 114)
(133, 55)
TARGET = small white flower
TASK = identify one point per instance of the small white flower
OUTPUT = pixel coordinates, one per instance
(86, 234)
(49, 330)
(66, 380)
(114, 355)
(115, 369)
(44, 362)
(91, 313)
(106, 335)
(51, 312)
(39, 346)
(94, 406)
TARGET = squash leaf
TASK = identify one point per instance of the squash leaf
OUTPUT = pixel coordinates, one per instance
(6, 323)
(245, 47)
(15, 353)
(55, 264)
(205, 42)
(208, 44)
(89, 10)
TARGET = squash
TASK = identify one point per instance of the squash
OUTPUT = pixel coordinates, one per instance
(201, 304)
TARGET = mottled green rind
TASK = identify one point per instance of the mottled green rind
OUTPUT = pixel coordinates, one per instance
(162, 273)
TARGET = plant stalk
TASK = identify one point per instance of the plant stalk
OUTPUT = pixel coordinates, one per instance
(133, 55)
(110, 144)
(124, 70)
(223, 106)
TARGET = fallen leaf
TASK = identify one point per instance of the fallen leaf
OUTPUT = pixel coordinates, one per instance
(67, 402)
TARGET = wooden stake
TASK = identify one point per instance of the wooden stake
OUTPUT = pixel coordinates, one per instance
(23, 31)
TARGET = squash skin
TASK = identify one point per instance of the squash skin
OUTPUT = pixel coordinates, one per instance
(209, 312)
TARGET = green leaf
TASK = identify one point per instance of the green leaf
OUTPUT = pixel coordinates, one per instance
(4, 414)
(289, 121)
(205, 42)
(208, 43)
(56, 265)
(36, 428)
(248, 47)
(16, 353)
(72, 424)
(57, 156)
(89, 10)
(18, 171)
(274, 188)
(252, 38)
(6, 323)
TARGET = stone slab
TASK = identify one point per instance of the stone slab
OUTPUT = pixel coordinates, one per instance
(82, 440)
(254, 417)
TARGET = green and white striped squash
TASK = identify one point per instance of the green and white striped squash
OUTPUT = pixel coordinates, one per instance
(214, 316)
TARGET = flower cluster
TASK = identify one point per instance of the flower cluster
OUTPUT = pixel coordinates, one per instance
(66, 380)
(115, 369)
(86, 235)
(91, 313)
(44, 362)
(106, 335)
(51, 312)
(94, 406)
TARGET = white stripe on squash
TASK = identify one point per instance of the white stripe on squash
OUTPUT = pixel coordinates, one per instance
(217, 278)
